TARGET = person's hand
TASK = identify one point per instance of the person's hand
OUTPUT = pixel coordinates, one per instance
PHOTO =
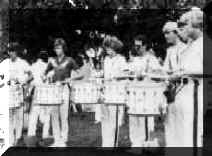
(44, 78)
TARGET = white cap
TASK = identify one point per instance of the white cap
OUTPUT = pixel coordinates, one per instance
(170, 26)
(195, 8)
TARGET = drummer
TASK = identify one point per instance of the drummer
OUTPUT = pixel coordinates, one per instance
(5, 99)
(171, 66)
(188, 106)
(19, 74)
(142, 61)
(84, 74)
(114, 65)
(37, 111)
(62, 67)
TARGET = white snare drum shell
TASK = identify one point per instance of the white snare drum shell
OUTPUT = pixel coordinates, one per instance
(48, 94)
(115, 93)
(85, 93)
(145, 98)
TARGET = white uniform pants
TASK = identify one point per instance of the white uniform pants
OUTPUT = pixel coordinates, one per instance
(179, 126)
(97, 112)
(109, 124)
(54, 114)
(42, 113)
(137, 130)
(15, 124)
(64, 110)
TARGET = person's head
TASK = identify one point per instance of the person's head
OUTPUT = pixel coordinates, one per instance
(190, 24)
(141, 45)
(112, 45)
(60, 46)
(170, 32)
(13, 50)
(43, 55)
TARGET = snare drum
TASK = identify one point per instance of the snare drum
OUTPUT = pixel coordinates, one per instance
(146, 98)
(16, 95)
(115, 92)
(85, 92)
(48, 94)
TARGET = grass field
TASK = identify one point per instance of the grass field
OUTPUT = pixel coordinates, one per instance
(84, 132)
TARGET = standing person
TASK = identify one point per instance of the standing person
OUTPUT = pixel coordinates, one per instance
(19, 74)
(171, 66)
(176, 46)
(84, 74)
(142, 62)
(189, 100)
(114, 64)
(191, 30)
(5, 99)
(37, 111)
(62, 67)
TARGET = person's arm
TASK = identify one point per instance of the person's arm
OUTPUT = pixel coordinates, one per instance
(166, 62)
(27, 75)
(49, 66)
(77, 75)
(74, 69)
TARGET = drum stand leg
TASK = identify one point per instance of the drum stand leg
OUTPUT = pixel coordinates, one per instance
(117, 127)
(195, 121)
(146, 129)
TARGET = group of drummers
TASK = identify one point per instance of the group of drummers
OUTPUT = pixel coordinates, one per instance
(142, 85)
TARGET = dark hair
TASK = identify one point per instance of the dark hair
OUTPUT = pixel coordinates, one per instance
(43, 55)
(113, 42)
(144, 39)
(15, 47)
(61, 42)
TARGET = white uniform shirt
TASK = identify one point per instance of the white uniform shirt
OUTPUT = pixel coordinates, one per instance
(171, 62)
(114, 66)
(150, 62)
(18, 70)
(147, 63)
(38, 69)
(4, 105)
(192, 58)
(4, 88)
(136, 65)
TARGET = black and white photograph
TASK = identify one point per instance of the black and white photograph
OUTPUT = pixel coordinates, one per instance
(106, 74)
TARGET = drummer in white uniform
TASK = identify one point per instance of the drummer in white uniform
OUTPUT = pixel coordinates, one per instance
(171, 66)
(114, 65)
(19, 73)
(192, 63)
(37, 111)
(144, 62)
(4, 95)
(189, 100)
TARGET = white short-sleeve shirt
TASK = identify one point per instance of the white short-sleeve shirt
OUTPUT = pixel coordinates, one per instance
(18, 70)
(114, 66)
(171, 62)
(38, 70)
(192, 58)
